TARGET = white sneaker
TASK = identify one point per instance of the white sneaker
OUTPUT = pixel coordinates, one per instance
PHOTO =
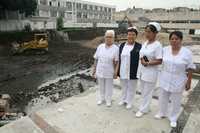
(128, 106)
(139, 114)
(173, 124)
(108, 104)
(121, 103)
(99, 102)
(158, 116)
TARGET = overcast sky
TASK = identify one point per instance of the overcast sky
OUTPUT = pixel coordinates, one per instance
(149, 4)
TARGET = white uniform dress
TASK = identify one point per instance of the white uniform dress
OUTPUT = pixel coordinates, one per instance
(105, 69)
(128, 85)
(173, 79)
(149, 74)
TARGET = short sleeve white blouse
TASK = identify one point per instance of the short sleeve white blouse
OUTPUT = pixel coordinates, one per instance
(151, 51)
(173, 76)
(105, 57)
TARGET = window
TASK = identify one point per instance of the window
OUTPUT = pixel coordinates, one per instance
(50, 3)
(96, 8)
(58, 4)
(85, 6)
(85, 15)
(68, 15)
(78, 5)
(91, 7)
(53, 13)
(105, 9)
(43, 2)
(69, 5)
(79, 15)
(101, 8)
(61, 14)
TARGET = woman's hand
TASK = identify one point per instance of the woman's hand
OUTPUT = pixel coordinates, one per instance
(115, 75)
(189, 80)
(188, 85)
(143, 62)
(94, 74)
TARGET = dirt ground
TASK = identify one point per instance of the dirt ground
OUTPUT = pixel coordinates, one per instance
(22, 74)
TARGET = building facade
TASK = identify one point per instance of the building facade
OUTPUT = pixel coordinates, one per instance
(180, 18)
(75, 13)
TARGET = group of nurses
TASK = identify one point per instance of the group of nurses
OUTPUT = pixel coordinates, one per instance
(132, 61)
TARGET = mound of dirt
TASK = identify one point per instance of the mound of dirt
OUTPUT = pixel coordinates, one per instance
(93, 43)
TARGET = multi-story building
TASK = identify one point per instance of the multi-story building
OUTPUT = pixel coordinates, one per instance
(180, 18)
(75, 13)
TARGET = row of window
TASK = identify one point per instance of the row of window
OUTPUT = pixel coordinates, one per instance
(93, 16)
(80, 6)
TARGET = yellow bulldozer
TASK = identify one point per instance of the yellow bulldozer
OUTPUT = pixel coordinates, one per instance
(39, 45)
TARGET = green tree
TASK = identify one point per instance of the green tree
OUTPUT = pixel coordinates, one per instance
(24, 6)
(59, 23)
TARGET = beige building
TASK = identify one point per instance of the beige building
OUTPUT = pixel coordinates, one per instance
(181, 18)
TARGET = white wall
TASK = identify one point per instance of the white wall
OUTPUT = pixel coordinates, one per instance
(111, 25)
(77, 25)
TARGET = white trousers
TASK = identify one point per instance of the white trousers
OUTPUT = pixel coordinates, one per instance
(128, 90)
(147, 89)
(175, 99)
(105, 90)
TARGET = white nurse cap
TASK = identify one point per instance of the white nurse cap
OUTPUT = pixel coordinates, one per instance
(156, 25)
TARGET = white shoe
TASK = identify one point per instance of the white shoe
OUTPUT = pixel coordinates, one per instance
(121, 103)
(99, 102)
(128, 106)
(158, 116)
(108, 104)
(173, 124)
(139, 114)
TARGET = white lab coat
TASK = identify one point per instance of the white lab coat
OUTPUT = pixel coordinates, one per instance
(128, 85)
(173, 76)
(172, 80)
(125, 61)
(152, 51)
(105, 57)
(148, 75)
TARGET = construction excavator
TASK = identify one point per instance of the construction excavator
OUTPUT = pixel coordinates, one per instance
(38, 45)
(123, 26)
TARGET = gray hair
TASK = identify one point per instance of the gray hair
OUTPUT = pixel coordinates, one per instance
(110, 32)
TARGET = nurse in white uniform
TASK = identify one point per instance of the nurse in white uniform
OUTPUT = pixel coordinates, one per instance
(106, 59)
(175, 77)
(151, 58)
(128, 67)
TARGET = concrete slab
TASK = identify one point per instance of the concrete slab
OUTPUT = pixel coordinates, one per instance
(23, 125)
(80, 114)
(193, 124)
